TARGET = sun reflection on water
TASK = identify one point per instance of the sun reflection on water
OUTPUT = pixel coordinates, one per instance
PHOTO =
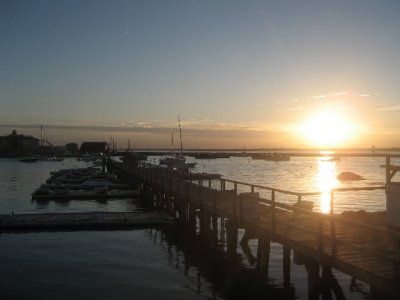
(326, 182)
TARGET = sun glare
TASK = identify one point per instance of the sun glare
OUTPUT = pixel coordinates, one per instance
(327, 129)
(326, 182)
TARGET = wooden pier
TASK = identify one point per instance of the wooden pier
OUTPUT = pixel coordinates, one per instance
(358, 244)
(83, 221)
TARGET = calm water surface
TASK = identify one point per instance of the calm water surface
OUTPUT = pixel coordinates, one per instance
(158, 264)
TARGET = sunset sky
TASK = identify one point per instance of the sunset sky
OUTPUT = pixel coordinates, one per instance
(238, 73)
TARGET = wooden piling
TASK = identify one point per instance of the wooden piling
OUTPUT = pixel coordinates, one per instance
(286, 266)
(263, 253)
(231, 237)
(313, 279)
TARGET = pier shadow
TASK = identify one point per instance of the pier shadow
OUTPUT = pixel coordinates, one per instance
(229, 276)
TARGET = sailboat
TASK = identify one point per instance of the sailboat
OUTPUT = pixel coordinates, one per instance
(44, 143)
(176, 162)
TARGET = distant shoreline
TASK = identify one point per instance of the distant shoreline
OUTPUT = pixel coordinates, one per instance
(296, 153)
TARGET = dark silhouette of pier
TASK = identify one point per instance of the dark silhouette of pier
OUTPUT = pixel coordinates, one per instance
(358, 244)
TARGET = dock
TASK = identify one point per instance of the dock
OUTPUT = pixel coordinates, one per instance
(83, 184)
(359, 244)
(83, 221)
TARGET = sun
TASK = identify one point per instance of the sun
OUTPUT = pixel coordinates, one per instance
(327, 129)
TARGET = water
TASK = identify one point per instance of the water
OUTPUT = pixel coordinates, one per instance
(18, 180)
(159, 264)
(90, 265)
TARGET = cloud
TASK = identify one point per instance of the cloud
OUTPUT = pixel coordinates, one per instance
(148, 127)
(389, 108)
(318, 97)
(328, 96)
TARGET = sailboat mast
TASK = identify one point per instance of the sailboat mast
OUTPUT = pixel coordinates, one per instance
(41, 135)
(180, 132)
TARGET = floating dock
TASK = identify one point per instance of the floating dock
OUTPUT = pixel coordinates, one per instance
(82, 184)
(83, 221)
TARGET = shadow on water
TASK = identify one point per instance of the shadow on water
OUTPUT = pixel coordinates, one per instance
(208, 263)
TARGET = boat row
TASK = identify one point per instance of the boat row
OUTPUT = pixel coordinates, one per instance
(32, 159)
(82, 184)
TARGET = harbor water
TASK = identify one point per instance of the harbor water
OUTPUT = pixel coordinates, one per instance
(158, 263)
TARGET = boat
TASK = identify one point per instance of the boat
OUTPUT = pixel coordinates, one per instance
(133, 157)
(333, 159)
(176, 162)
(210, 155)
(55, 158)
(28, 159)
(82, 184)
(271, 156)
(50, 158)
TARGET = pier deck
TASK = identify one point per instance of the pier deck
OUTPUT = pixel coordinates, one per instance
(359, 245)
(82, 221)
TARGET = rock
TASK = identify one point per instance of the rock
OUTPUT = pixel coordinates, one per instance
(349, 176)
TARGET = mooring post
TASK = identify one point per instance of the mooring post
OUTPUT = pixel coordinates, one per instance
(263, 249)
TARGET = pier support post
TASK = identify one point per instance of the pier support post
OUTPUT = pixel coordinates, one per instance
(192, 218)
(263, 250)
(328, 283)
(231, 237)
(183, 211)
(376, 294)
(313, 279)
(148, 196)
(286, 266)
(222, 229)
(204, 224)
(215, 227)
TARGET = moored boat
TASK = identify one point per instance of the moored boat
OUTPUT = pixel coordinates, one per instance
(176, 163)
(271, 156)
(29, 159)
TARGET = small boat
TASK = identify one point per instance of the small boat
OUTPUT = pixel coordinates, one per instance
(271, 156)
(133, 157)
(333, 159)
(176, 164)
(55, 158)
(29, 159)
(208, 155)
(50, 158)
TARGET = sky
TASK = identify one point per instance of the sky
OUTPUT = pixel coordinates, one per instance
(239, 74)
